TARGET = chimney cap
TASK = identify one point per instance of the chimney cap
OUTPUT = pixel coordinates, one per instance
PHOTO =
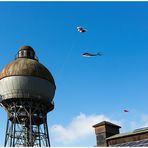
(106, 123)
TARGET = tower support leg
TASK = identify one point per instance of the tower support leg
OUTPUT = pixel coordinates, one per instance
(26, 125)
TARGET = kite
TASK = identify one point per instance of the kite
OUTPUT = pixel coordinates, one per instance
(125, 110)
(91, 54)
(81, 29)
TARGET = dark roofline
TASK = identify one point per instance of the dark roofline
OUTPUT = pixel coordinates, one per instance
(122, 135)
(106, 123)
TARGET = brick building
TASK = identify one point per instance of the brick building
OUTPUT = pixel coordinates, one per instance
(108, 134)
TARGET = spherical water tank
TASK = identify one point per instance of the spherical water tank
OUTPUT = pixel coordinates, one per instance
(26, 78)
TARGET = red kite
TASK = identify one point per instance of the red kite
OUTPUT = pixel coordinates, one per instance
(125, 110)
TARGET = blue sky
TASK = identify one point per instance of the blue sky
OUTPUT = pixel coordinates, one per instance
(89, 90)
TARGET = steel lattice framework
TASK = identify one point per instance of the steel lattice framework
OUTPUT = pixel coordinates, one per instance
(27, 123)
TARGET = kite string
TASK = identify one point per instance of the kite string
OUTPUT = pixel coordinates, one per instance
(66, 59)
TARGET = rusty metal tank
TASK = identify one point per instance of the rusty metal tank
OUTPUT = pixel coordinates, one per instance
(26, 78)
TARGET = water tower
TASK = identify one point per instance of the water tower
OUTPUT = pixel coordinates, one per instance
(27, 89)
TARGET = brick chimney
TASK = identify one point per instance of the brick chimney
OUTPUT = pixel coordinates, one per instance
(104, 130)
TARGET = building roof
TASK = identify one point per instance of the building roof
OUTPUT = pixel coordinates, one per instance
(107, 123)
(140, 143)
(135, 132)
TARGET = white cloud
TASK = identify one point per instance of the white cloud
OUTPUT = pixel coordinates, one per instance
(145, 120)
(142, 122)
(79, 128)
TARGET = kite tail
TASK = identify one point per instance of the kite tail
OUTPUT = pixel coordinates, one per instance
(99, 53)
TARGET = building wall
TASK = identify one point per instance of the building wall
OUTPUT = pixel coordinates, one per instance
(128, 138)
